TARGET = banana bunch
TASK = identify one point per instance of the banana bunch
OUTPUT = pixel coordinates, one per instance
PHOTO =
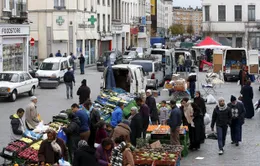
(36, 146)
(26, 140)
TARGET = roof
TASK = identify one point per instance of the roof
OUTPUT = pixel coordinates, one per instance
(125, 66)
(13, 72)
(55, 59)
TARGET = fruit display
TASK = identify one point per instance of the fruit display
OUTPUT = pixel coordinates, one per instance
(29, 154)
(19, 144)
(26, 140)
(144, 157)
(152, 128)
(36, 146)
(12, 148)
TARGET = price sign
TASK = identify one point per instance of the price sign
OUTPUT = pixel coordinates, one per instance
(8, 153)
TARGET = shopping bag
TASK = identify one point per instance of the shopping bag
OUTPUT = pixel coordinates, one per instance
(61, 134)
(211, 99)
(206, 119)
(62, 162)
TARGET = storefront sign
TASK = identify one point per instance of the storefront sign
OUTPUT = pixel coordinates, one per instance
(14, 30)
(60, 20)
(92, 20)
(117, 28)
(86, 26)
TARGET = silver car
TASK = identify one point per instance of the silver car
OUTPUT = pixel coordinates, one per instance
(129, 56)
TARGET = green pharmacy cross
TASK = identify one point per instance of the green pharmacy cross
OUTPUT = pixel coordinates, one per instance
(60, 20)
(92, 20)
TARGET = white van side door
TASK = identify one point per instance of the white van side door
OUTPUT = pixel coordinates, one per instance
(253, 62)
(133, 80)
(168, 66)
(143, 79)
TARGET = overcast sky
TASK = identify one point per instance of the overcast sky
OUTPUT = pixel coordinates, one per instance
(187, 3)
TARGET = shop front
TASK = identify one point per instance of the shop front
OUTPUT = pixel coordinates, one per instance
(14, 47)
(105, 44)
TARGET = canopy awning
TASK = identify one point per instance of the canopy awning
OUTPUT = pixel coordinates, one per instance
(208, 41)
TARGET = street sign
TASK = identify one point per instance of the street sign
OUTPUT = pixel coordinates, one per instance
(32, 42)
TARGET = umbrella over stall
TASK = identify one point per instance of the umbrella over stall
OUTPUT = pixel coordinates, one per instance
(208, 41)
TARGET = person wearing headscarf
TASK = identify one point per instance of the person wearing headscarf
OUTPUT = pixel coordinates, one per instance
(202, 106)
(94, 120)
(52, 149)
(238, 118)
(73, 133)
(135, 125)
(31, 114)
(85, 155)
(222, 117)
(83, 92)
(122, 129)
(100, 133)
(247, 99)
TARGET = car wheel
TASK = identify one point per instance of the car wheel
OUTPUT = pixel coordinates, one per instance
(13, 96)
(32, 91)
(225, 79)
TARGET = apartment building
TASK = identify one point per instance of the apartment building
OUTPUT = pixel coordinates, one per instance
(188, 16)
(65, 25)
(104, 25)
(14, 35)
(168, 14)
(234, 23)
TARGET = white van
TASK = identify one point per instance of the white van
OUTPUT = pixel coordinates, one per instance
(235, 58)
(51, 71)
(167, 59)
(153, 70)
(131, 78)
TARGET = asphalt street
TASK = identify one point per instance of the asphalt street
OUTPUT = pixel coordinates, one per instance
(52, 101)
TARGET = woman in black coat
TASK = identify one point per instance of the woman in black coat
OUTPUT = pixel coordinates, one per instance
(247, 99)
(196, 132)
(202, 106)
(135, 125)
(85, 155)
(73, 133)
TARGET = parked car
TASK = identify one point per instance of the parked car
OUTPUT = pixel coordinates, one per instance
(115, 57)
(129, 56)
(13, 83)
(51, 72)
(153, 71)
(129, 77)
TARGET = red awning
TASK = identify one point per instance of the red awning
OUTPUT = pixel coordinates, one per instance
(208, 41)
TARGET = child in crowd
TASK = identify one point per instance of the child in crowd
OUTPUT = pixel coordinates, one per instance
(163, 113)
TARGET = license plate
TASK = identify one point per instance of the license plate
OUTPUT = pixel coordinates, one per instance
(98, 62)
(8, 153)
(227, 71)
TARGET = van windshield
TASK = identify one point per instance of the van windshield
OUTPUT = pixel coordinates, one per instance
(49, 66)
(148, 67)
(156, 52)
(235, 58)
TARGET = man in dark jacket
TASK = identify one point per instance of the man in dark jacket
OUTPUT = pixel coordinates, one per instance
(17, 125)
(238, 117)
(82, 64)
(69, 79)
(151, 103)
(135, 125)
(188, 64)
(85, 155)
(144, 111)
(174, 122)
(94, 119)
(84, 121)
(73, 134)
(222, 117)
(83, 92)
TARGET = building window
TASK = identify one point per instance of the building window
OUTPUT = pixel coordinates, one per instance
(238, 13)
(251, 12)
(104, 23)
(108, 23)
(108, 2)
(59, 4)
(239, 42)
(104, 3)
(206, 13)
(98, 2)
(98, 22)
(221, 13)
